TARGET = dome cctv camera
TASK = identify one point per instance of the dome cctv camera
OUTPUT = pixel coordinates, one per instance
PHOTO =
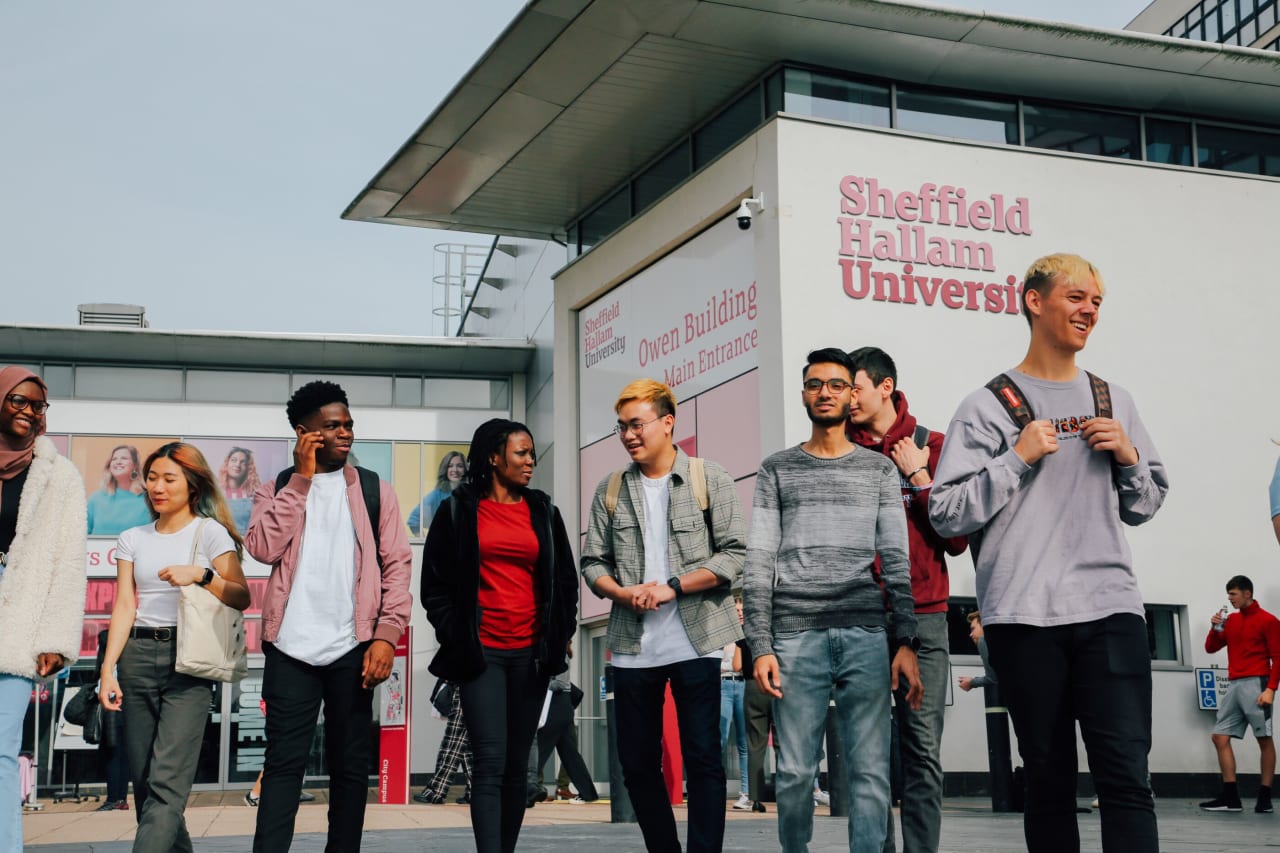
(744, 214)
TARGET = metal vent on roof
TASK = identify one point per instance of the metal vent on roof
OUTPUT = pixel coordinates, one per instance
(112, 314)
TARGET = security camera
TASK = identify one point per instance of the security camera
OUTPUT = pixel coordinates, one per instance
(744, 214)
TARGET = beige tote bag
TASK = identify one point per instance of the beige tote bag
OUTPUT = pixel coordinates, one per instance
(210, 634)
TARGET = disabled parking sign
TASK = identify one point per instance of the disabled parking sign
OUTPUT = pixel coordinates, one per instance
(1211, 683)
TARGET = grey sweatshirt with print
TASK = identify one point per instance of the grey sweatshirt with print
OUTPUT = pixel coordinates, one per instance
(1048, 539)
(816, 527)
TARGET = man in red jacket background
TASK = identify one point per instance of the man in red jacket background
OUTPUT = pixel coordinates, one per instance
(1252, 638)
(879, 420)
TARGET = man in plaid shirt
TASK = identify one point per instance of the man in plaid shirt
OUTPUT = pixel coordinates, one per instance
(668, 568)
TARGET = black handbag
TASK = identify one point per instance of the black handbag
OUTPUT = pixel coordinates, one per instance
(575, 694)
(442, 697)
(85, 710)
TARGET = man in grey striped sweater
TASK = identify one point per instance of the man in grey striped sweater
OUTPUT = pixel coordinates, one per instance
(815, 613)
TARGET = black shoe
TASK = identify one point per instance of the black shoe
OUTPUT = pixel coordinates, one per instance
(424, 797)
(1220, 803)
(1263, 806)
(535, 797)
(757, 806)
(464, 800)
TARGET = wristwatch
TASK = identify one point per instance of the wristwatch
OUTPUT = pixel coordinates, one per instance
(206, 579)
(912, 643)
(674, 583)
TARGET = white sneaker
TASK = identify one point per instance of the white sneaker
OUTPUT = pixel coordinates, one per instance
(1094, 803)
(821, 797)
(743, 804)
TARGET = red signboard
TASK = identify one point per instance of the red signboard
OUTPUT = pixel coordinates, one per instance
(393, 717)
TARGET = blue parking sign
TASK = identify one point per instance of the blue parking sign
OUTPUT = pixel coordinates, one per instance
(1209, 699)
(1206, 678)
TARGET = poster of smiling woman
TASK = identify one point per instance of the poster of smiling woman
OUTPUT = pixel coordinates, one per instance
(112, 470)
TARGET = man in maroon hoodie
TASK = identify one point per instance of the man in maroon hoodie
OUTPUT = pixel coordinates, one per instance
(1252, 638)
(879, 420)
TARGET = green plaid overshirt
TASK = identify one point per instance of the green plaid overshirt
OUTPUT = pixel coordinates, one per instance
(616, 548)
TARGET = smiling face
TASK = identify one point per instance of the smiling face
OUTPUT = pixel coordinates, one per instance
(238, 465)
(513, 465)
(121, 465)
(1065, 314)
(457, 469)
(645, 435)
(167, 487)
(22, 425)
(337, 433)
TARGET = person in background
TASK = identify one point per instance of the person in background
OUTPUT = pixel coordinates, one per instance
(1275, 500)
(499, 587)
(453, 468)
(733, 710)
(455, 749)
(165, 711)
(113, 756)
(118, 504)
(558, 734)
(239, 479)
(42, 577)
(988, 677)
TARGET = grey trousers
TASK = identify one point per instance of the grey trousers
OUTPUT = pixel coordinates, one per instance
(920, 736)
(164, 719)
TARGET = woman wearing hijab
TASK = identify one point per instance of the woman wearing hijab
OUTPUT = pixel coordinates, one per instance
(500, 587)
(42, 578)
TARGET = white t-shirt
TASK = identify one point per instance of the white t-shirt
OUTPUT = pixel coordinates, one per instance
(319, 624)
(664, 641)
(150, 551)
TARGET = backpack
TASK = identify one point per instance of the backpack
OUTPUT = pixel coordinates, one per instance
(697, 481)
(369, 487)
(1015, 402)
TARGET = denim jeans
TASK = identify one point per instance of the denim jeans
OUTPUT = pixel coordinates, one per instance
(1099, 674)
(15, 697)
(638, 697)
(732, 710)
(854, 663)
(920, 739)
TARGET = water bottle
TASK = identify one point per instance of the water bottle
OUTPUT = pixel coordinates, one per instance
(1222, 626)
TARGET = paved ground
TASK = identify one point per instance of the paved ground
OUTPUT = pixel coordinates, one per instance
(222, 824)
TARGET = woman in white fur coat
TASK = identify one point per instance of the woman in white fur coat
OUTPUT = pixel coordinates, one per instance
(42, 576)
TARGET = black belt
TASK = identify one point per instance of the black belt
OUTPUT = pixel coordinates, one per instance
(734, 677)
(164, 635)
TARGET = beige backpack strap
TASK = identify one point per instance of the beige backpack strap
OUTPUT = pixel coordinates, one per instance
(698, 481)
(611, 493)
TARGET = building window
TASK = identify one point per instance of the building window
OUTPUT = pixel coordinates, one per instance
(824, 96)
(1235, 150)
(129, 383)
(408, 391)
(1081, 131)
(226, 386)
(605, 219)
(958, 116)
(657, 180)
(1164, 632)
(466, 393)
(958, 610)
(733, 123)
(1169, 142)
(362, 391)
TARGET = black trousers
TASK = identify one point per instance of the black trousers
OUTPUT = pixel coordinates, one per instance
(638, 699)
(558, 734)
(1098, 674)
(501, 708)
(294, 692)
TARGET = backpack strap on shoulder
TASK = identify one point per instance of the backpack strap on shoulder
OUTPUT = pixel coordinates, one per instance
(371, 489)
(698, 482)
(1012, 398)
(283, 477)
(921, 438)
(1101, 396)
(612, 491)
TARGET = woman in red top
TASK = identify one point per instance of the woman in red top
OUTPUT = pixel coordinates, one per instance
(500, 587)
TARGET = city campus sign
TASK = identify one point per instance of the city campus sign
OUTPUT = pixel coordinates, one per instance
(933, 230)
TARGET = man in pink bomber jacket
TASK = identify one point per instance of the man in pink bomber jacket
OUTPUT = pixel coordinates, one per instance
(336, 604)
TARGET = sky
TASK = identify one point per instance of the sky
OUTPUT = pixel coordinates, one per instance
(195, 157)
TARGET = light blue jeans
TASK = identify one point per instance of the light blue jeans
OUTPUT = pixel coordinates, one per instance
(853, 665)
(15, 697)
(732, 710)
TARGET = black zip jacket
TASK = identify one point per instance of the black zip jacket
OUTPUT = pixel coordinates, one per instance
(451, 585)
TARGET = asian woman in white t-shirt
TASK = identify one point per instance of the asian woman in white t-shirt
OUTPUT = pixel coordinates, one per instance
(165, 712)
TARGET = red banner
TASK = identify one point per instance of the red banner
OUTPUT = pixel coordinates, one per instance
(393, 718)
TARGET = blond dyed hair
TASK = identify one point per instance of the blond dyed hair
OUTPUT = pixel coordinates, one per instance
(658, 394)
(1048, 271)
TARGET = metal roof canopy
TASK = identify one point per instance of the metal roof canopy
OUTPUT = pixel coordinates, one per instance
(575, 95)
(453, 357)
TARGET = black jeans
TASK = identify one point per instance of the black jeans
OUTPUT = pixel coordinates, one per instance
(501, 709)
(294, 691)
(558, 734)
(1099, 674)
(638, 697)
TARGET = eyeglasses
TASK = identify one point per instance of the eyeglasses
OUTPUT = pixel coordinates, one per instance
(813, 386)
(19, 402)
(635, 426)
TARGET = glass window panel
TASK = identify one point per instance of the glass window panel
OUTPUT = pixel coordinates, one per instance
(1081, 131)
(500, 394)
(1234, 150)
(128, 383)
(458, 393)
(1163, 628)
(361, 390)
(408, 391)
(1169, 142)
(734, 122)
(958, 609)
(1228, 12)
(229, 386)
(606, 218)
(773, 94)
(1211, 28)
(959, 117)
(655, 181)
(824, 96)
(58, 378)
